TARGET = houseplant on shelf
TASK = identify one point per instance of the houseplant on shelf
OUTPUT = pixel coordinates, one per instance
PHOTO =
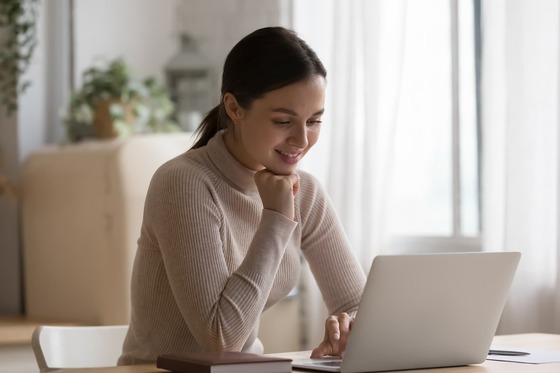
(112, 103)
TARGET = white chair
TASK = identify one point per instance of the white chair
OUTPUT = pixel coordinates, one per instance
(59, 347)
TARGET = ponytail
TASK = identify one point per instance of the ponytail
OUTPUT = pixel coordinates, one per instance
(214, 121)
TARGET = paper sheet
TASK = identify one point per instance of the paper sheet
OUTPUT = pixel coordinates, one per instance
(535, 356)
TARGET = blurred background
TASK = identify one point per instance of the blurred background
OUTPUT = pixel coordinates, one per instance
(441, 133)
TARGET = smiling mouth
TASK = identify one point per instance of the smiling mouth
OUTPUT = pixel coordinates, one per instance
(289, 158)
(289, 155)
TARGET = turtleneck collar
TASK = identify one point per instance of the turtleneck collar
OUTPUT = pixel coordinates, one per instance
(234, 173)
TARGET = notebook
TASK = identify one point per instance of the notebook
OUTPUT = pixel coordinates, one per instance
(223, 362)
(426, 311)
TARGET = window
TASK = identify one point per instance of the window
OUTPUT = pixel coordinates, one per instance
(434, 189)
(434, 205)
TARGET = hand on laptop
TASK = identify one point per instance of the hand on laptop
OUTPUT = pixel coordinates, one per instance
(337, 330)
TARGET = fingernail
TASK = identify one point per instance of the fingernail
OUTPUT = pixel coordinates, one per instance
(336, 336)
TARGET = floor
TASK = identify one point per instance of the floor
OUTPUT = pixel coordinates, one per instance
(16, 354)
(17, 359)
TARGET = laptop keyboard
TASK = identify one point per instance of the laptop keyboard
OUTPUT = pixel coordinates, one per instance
(329, 363)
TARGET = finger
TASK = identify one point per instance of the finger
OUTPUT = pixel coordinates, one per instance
(332, 332)
(295, 186)
(322, 350)
(344, 322)
(276, 191)
(266, 179)
(330, 343)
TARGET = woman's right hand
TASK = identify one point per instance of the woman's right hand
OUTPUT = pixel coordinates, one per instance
(337, 331)
(277, 191)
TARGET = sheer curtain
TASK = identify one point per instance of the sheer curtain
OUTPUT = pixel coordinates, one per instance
(520, 118)
(361, 43)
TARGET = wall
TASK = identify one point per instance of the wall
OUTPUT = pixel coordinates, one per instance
(10, 287)
(145, 32)
(142, 31)
(19, 134)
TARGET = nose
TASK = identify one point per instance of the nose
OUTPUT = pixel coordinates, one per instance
(298, 136)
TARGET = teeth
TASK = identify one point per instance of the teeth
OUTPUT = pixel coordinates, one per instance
(291, 155)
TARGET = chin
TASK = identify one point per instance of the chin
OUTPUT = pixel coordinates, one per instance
(286, 170)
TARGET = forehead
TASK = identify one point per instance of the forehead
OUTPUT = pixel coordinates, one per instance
(303, 96)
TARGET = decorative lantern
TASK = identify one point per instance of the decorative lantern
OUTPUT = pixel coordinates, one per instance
(188, 80)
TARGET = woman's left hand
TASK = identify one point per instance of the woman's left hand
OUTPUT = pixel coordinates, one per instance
(337, 331)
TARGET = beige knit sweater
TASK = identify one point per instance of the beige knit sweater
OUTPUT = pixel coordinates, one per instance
(210, 259)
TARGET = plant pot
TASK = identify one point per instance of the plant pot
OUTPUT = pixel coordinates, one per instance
(103, 122)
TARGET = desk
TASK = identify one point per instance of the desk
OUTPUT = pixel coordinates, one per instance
(536, 341)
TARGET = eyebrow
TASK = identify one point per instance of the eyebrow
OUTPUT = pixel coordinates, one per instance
(291, 112)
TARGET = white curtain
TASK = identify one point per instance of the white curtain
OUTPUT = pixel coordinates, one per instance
(521, 187)
(361, 43)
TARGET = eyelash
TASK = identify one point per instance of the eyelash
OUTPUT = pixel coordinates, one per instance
(285, 123)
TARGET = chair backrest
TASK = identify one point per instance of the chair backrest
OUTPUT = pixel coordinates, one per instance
(58, 347)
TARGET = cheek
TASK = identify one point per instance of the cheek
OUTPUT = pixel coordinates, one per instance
(258, 142)
(251, 133)
(313, 136)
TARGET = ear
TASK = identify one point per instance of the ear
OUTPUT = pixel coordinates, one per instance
(233, 109)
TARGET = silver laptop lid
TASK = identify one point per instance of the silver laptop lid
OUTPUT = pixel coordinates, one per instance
(429, 310)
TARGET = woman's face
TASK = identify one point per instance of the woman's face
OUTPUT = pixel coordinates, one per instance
(280, 127)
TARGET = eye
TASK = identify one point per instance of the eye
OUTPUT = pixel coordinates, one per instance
(314, 122)
(281, 122)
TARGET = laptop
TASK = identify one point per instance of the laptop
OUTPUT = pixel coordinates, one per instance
(425, 311)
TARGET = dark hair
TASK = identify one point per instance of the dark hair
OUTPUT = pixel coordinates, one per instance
(267, 59)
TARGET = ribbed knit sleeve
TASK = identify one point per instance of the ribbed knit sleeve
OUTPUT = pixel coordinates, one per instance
(325, 246)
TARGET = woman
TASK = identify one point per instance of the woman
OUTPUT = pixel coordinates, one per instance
(226, 222)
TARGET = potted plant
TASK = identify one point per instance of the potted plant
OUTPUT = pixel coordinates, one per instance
(112, 103)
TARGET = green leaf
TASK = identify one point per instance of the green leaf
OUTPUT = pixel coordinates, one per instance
(18, 21)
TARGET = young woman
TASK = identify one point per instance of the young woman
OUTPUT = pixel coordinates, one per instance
(225, 223)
